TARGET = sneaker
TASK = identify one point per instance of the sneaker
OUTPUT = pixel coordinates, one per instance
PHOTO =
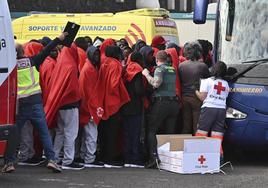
(136, 166)
(53, 166)
(127, 165)
(113, 165)
(79, 161)
(8, 168)
(95, 164)
(34, 161)
(133, 164)
(73, 166)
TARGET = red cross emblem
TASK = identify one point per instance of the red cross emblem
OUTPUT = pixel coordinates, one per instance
(100, 112)
(219, 88)
(201, 159)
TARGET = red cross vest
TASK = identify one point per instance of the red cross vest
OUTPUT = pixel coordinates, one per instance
(217, 91)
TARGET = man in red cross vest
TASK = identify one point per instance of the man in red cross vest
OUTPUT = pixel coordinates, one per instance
(213, 92)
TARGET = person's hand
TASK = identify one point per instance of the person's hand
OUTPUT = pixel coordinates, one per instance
(62, 36)
(145, 72)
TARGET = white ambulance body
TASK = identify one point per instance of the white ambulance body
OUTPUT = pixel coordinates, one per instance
(8, 76)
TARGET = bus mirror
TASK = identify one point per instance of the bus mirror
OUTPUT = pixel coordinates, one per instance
(200, 11)
(230, 20)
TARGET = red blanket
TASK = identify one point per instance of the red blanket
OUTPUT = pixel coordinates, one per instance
(82, 58)
(110, 92)
(45, 71)
(87, 81)
(132, 69)
(63, 87)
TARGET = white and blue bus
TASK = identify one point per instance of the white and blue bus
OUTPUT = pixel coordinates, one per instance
(241, 41)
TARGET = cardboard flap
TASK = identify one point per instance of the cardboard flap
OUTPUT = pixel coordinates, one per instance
(176, 141)
(202, 146)
(164, 147)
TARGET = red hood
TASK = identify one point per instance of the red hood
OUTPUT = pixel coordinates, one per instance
(32, 49)
(107, 42)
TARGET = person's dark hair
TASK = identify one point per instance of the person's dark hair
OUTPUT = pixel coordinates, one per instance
(113, 51)
(206, 47)
(123, 42)
(219, 70)
(89, 40)
(81, 43)
(136, 57)
(35, 40)
(19, 50)
(192, 51)
(45, 41)
(139, 44)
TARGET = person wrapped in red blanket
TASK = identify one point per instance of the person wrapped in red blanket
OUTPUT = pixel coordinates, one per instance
(109, 95)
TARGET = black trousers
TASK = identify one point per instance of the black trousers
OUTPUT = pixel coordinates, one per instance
(132, 132)
(108, 135)
(162, 113)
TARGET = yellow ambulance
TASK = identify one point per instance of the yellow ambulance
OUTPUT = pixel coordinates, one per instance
(132, 25)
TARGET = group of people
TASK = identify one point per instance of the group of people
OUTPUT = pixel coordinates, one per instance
(101, 103)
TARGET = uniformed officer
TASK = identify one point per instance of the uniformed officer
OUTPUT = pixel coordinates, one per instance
(30, 105)
(165, 106)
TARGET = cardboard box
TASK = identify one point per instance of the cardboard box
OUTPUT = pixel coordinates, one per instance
(186, 154)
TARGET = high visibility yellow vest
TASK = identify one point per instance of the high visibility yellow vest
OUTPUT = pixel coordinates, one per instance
(28, 79)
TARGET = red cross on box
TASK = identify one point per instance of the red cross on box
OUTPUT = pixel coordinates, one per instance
(219, 88)
(201, 159)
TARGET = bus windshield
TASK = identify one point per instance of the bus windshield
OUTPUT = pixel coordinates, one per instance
(249, 39)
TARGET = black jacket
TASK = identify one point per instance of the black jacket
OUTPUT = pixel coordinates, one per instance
(136, 92)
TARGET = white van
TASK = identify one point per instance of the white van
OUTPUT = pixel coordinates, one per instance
(8, 78)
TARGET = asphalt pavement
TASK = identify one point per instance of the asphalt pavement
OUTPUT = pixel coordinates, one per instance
(249, 171)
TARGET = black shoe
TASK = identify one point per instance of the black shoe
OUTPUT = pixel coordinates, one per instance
(34, 161)
(95, 164)
(79, 161)
(134, 164)
(113, 165)
(73, 166)
(153, 163)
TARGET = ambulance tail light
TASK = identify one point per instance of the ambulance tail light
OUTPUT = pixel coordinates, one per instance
(232, 113)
